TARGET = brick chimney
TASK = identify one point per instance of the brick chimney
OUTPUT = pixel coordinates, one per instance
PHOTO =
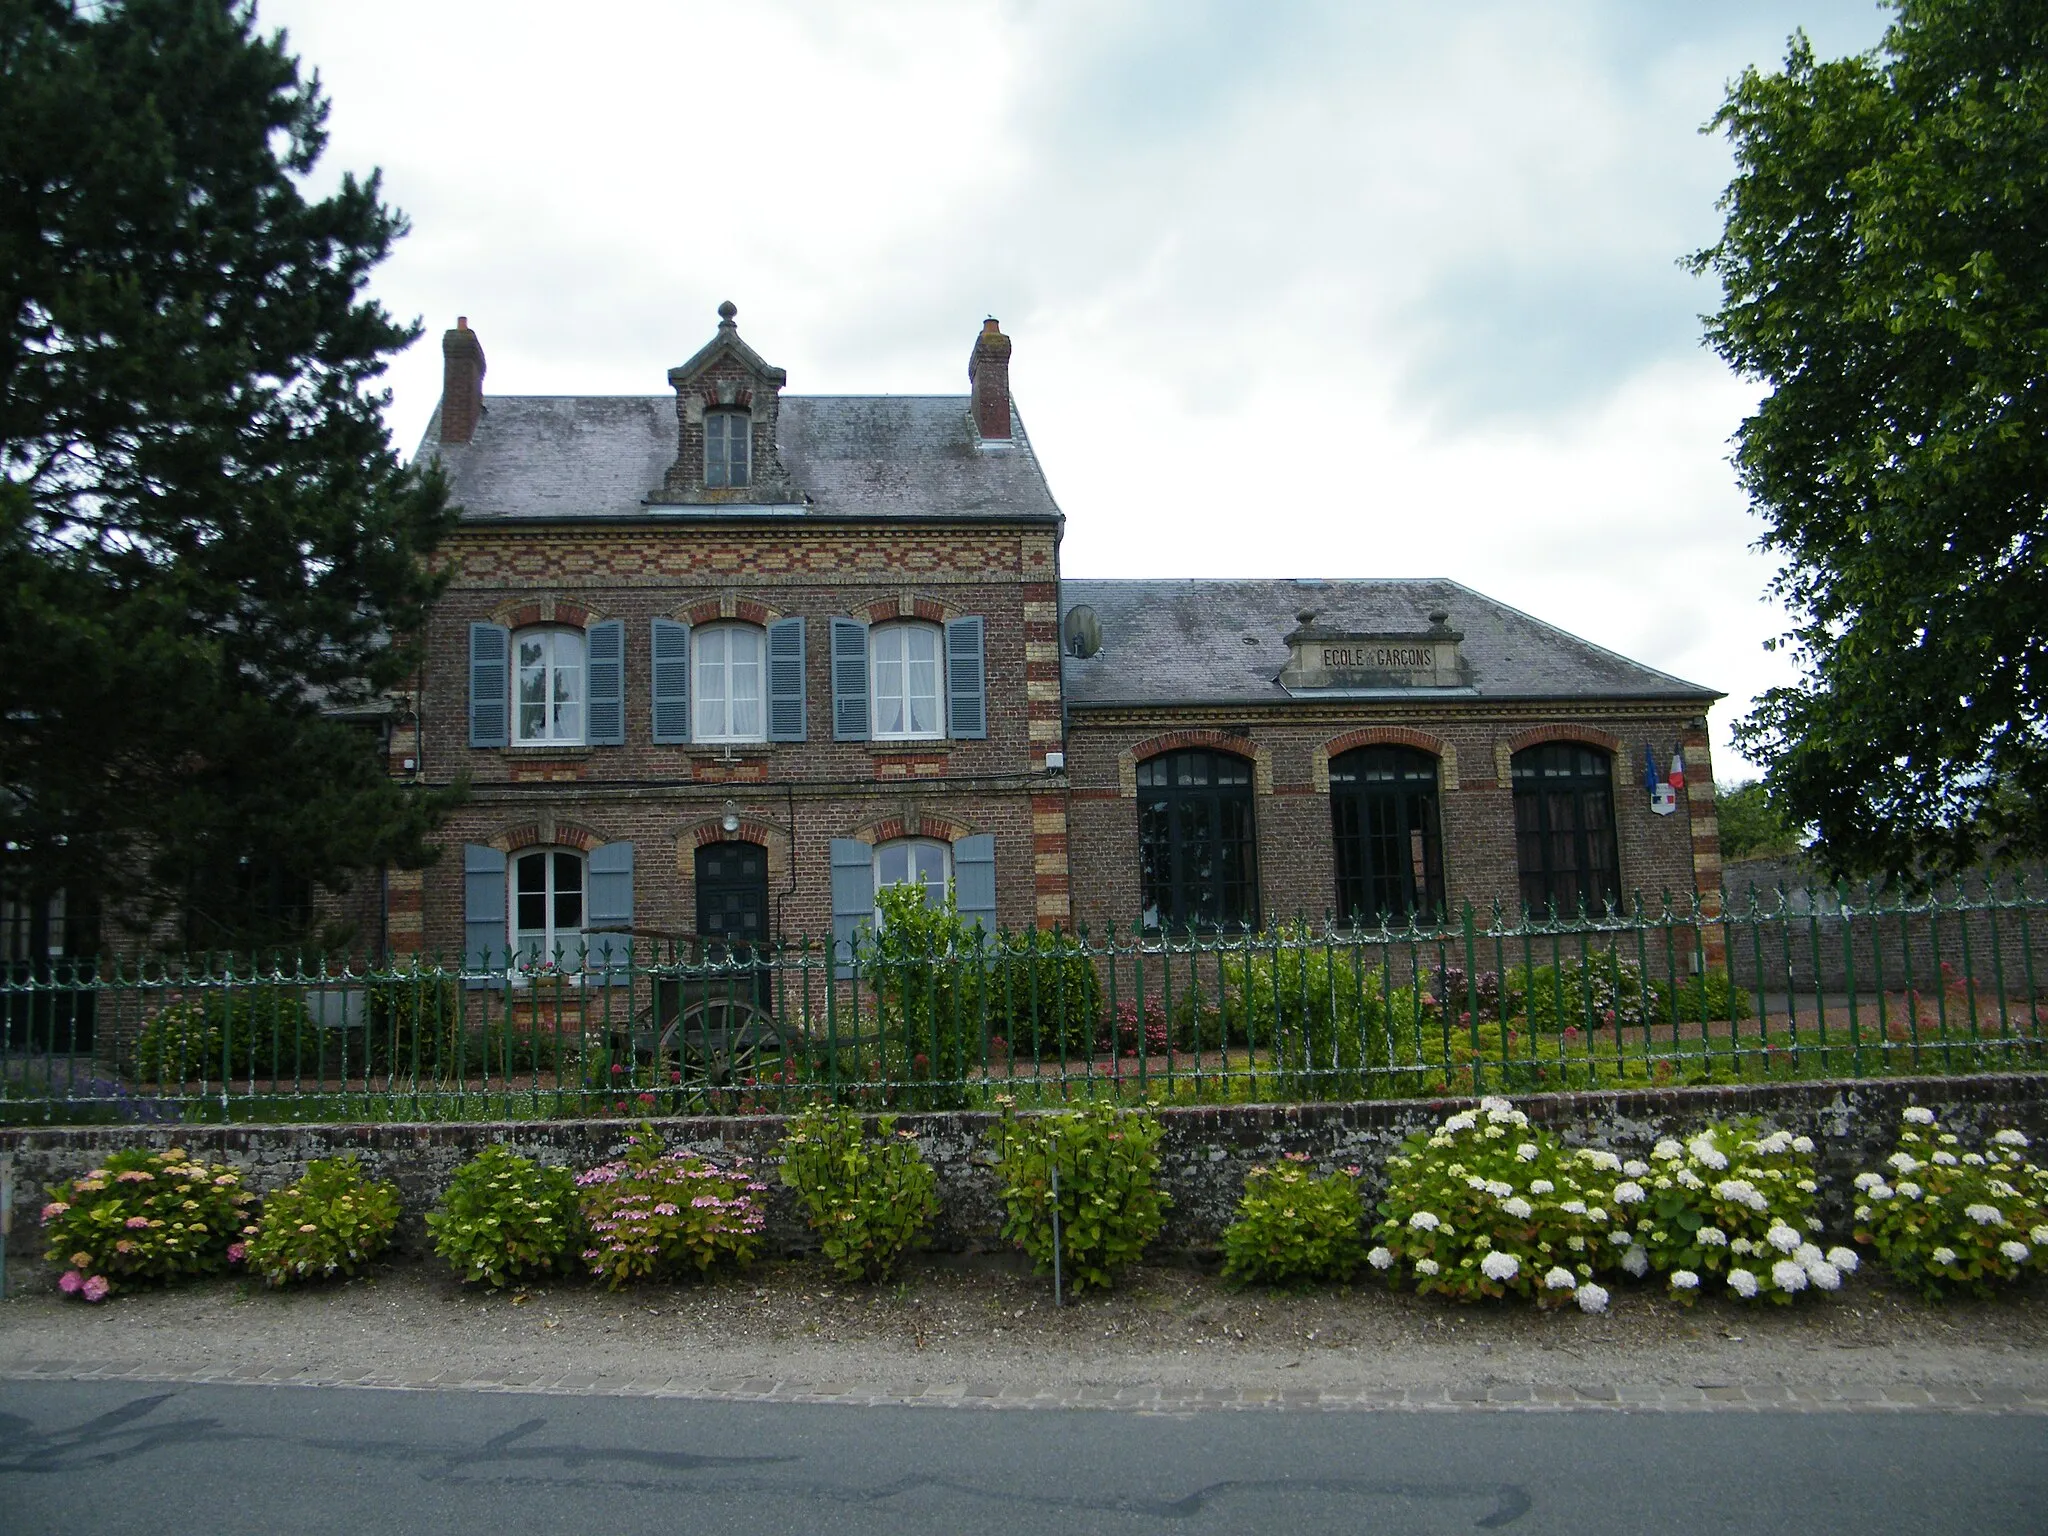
(988, 373)
(462, 382)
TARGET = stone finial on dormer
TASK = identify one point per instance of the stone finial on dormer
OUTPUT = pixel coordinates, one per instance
(728, 407)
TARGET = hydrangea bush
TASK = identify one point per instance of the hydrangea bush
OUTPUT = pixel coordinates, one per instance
(144, 1218)
(1109, 1207)
(330, 1222)
(1294, 1229)
(1488, 1205)
(654, 1214)
(1944, 1218)
(505, 1216)
(869, 1200)
(1734, 1205)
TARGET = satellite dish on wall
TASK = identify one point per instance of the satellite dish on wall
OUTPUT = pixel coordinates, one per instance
(1080, 633)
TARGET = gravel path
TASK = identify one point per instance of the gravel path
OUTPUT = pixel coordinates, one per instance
(986, 1333)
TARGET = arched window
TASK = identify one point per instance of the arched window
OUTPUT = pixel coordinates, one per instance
(1196, 866)
(1383, 817)
(1564, 828)
(728, 444)
(906, 682)
(914, 861)
(547, 909)
(726, 700)
(548, 690)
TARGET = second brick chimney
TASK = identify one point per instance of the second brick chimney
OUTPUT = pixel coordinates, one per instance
(988, 374)
(462, 382)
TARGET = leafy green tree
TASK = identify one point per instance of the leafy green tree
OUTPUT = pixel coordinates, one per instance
(1751, 825)
(1884, 269)
(210, 554)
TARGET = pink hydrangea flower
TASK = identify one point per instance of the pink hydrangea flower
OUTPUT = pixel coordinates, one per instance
(136, 1221)
(96, 1288)
(237, 1252)
(70, 1281)
(54, 1209)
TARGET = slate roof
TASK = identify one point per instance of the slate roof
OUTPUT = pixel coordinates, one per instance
(548, 457)
(1185, 642)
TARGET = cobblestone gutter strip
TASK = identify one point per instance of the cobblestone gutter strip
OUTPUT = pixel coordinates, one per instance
(1139, 1398)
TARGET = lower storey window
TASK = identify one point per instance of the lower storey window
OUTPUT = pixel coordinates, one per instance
(547, 909)
(1195, 861)
(913, 861)
(1564, 828)
(1389, 846)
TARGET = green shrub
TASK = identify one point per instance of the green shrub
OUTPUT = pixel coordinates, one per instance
(1735, 1203)
(1108, 1207)
(1488, 1204)
(415, 1024)
(1944, 1219)
(652, 1214)
(869, 1200)
(929, 995)
(1704, 998)
(331, 1221)
(260, 1031)
(1044, 998)
(504, 1217)
(1294, 1229)
(1322, 1013)
(144, 1218)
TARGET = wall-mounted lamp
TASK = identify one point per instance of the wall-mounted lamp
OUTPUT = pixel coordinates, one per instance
(732, 819)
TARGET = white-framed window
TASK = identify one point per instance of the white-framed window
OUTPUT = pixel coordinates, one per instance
(917, 861)
(907, 682)
(728, 444)
(547, 687)
(547, 910)
(726, 696)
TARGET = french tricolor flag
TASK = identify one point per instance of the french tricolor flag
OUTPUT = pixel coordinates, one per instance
(1678, 768)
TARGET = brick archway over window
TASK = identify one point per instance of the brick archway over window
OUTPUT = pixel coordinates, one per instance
(1504, 749)
(526, 612)
(887, 829)
(906, 605)
(1259, 755)
(547, 832)
(1445, 754)
(727, 605)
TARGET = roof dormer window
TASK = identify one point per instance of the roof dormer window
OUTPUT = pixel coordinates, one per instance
(728, 437)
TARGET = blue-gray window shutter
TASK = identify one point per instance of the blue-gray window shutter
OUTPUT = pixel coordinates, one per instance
(490, 685)
(484, 934)
(786, 714)
(611, 906)
(853, 898)
(605, 646)
(966, 685)
(671, 682)
(974, 880)
(849, 680)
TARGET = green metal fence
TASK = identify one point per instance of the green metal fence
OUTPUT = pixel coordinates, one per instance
(1805, 984)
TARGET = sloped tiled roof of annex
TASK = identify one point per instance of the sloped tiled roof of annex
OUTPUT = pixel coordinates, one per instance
(1185, 642)
(554, 457)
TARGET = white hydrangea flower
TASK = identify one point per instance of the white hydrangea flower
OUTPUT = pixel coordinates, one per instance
(1687, 1179)
(1918, 1116)
(1636, 1261)
(1591, 1297)
(1474, 1181)
(1493, 1103)
(1541, 1187)
(1635, 1169)
(1684, 1280)
(1380, 1258)
(1423, 1221)
(2010, 1139)
(1500, 1189)
(1809, 1254)
(2003, 1190)
(1803, 1145)
(1788, 1276)
(1667, 1151)
(1517, 1207)
(1526, 1151)
(1559, 1279)
(1949, 1140)
(1439, 1140)
(1807, 1186)
(2038, 1237)
(1844, 1259)
(1426, 1266)
(1773, 1144)
(1713, 1237)
(1985, 1215)
(1596, 1214)
(1464, 1120)
(1783, 1238)
(1868, 1181)
(1946, 1159)
(1606, 1162)
(1904, 1162)
(1628, 1192)
(1741, 1245)
(1742, 1283)
(1943, 1255)
(1500, 1266)
(1619, 1238)
(1824, 1275)
(1741, 1192)
(2017, 1252)
(1575, 1207)
(1909, 1189)
(1813, 1223)
(1973, 1159)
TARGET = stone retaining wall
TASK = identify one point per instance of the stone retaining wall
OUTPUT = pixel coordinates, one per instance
(1207, 1150)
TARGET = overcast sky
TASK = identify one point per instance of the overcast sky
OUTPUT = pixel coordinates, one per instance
(1340, 289)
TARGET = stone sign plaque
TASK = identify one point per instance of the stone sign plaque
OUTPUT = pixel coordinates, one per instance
(1325, 659)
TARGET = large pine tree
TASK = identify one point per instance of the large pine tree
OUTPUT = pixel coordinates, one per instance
(209, 552)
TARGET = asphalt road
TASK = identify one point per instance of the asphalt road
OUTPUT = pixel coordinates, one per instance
(85, 1457)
